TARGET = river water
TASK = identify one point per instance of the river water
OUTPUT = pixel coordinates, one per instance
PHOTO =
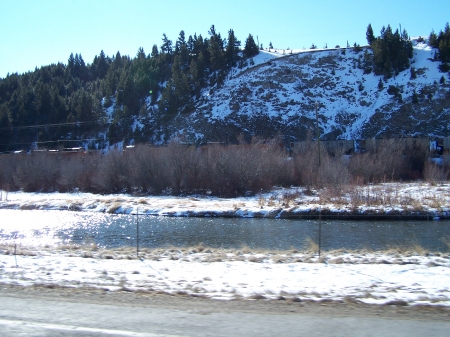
(40, 228)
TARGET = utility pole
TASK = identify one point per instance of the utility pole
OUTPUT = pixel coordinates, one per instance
(318, 133)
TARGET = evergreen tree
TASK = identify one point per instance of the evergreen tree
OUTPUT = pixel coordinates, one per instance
(181, 49)
(140, 55)
(216, 53)
(380, 85)
(166, 47)
(101, 65)
(6, 131)
(191, 45)
(180, 85)
(250, 49)
(232, 49)
(433, 40)
(155, 51)
(391, 52)
(369, 35)
(415, 98)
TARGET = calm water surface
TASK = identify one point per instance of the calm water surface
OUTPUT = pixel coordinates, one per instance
(62, 227)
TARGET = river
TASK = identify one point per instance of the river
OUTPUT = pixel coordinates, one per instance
(52, 228)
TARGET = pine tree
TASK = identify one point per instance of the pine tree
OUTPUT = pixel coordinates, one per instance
(180, 84)
(369, 35)
(155, 51)
(5, 127)
(166, 47)
(216, 50)
(181, 49)
(380, 85)
(232, 49)
(414, 98)
(391, 52)
(433, 40)
(102, 65)
(251, 49)
(140, 54)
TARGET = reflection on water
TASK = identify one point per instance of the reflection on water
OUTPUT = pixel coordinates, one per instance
(56, 227)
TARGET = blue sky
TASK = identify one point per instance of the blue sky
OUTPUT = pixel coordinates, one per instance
(41, 32)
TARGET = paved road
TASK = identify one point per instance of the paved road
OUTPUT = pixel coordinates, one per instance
(61, 316)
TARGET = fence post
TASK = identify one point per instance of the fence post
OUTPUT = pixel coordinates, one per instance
(137, 232)
(320, 229)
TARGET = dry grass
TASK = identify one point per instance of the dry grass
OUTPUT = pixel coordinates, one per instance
(113, 208)
(310, 245)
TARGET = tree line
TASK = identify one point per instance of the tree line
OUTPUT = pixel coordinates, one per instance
(57, 104)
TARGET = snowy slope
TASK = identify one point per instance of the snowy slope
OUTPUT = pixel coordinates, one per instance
(281, 90)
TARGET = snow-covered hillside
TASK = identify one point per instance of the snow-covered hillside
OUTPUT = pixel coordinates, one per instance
(278, 92)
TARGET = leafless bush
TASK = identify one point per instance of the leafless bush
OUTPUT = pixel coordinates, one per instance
(77, 171)
(434, 173)
(113, 172)
(230, 171)
(395, 159)
(236, 170)
(37, 172)
(183, 167)
(149, 169)
(315, 169)
(8, 167)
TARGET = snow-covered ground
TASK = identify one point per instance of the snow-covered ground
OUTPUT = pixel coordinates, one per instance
(376, 278)
(404, 277)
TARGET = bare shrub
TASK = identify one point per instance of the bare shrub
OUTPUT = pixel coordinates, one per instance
(378, 165)
(318, 172)
(77, 171)
(113, 172)
(8, 167)
(149, 169)
(237, 170)
(434, 173)
(183, 167)
(38, 172)
(392, 160)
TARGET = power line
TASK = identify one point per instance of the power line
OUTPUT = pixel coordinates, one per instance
(63, 141)
(46, 125)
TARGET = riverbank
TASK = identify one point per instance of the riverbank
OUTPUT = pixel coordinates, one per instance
(391, 201)
(395, 277)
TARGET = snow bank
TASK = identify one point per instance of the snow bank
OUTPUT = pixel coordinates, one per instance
(375, 278)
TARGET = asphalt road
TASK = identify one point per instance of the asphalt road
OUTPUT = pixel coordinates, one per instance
(60, 313)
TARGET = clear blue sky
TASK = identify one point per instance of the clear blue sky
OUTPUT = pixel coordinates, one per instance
(41, 32)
